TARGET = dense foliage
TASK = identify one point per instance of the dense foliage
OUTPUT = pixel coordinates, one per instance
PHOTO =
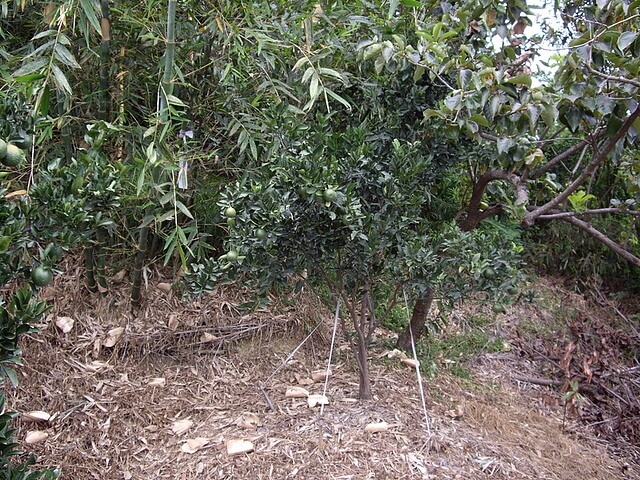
(354, 145)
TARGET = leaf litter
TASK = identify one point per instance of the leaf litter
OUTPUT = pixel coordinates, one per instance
(127, 413)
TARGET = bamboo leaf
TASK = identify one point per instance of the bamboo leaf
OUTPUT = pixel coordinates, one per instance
(60, 79)
(314, 87)
(337, 97)
(90, 11)
(30, 67)
(181, 206)
(46, 33)
(63, 54)
(307, 74)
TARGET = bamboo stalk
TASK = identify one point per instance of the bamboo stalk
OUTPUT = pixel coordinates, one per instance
(166, 89)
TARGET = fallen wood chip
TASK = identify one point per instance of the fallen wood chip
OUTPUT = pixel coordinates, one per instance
(315, 400)
(157, 382)
(296, 392)
(65, 324)
(113, 336)
(194, 444)
(36, 416)
(320, 375)
(411, 362)
(182, 426)
(35, 436)
(238, 447)
(376, 427)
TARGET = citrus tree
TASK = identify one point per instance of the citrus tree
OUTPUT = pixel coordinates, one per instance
(353, 195)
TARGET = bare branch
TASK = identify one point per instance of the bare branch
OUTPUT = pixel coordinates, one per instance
(531, 217)
(598, 235)
(613, 78)
(595, 211)
(560, 157)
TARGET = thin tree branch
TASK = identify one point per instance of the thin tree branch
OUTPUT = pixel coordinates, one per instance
(595, 211)
(613, 78)
(598, 235)
(531, 217)
(560, 157)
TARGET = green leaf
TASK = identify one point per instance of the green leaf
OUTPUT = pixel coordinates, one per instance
(90, 12)
(393, 6)
(580, 41)
(626, 39)
(505, 144)
(314, 87)
(430, 113)
(181, 206)
(464, 78)
(60, 79)
(63, 54)
(10, 373)
(411, 3)
(337, 97)
(30, 67)
(480, 120)
(522, 79)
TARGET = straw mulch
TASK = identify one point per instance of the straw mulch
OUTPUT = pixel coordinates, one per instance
(183, 378)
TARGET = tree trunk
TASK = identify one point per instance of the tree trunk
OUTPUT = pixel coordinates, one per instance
(418, 319)
(360, 323)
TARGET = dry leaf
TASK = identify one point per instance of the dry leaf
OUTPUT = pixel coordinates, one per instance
(456, 413)
(315, 400)
(411, 362)
(65, 324)
(320, 375)
(173, 322)
(36, 416)
(119, 277)
(181, 426)
(157, 382)
(305, 381)
(248, 420)
(194, 444)
(296, 392)
(238, 447)
(113, 336)
(208, 337)
(164, 287)
(95, 366)
(35, 436)
(376, 427)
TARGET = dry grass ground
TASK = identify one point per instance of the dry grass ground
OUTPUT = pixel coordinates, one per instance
(192, 370)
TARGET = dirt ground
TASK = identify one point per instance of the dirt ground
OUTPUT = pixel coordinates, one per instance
(164, 393)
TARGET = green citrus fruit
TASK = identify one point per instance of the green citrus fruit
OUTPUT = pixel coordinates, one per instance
(512, 291)
(261, 234)
(330, 195)
(497, 308)
(41, 276)
(230, 212)
(232, 255)
(14, 156)
(231, 222)
(3, 148)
